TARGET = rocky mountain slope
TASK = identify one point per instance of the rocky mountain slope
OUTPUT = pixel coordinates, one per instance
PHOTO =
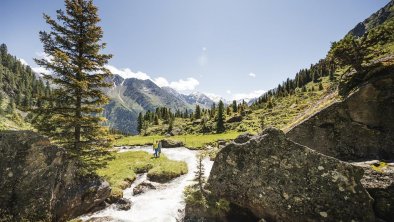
(361, 126)
(131, 96)
(376, 19)
(194, 98)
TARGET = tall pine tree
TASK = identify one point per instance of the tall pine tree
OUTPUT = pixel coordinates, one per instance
(73, 116)
(220, 120)
(140, 123)
(197, 113)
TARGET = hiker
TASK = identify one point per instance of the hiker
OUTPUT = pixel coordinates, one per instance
(156, 149)
(159, 148)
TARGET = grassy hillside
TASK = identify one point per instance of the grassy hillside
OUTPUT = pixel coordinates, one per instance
(12, 120)
(311, 90)
(20, 90)
(284, 113)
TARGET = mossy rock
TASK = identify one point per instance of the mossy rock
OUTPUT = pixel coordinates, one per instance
(116, 195)
(168, 143)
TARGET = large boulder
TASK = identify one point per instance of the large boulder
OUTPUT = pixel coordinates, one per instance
(234, 119)
(279, 180)
(169, 143)
(37, 182)
(359, 127)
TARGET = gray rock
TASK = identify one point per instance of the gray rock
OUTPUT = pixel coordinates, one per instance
(123, 204)
(100, 219)
(279, 180)
(168, 143)
(37, 183)
(360, 127)
(235, 119)
(243, 138)
(143, 187)
(378, 179)
(221, 142)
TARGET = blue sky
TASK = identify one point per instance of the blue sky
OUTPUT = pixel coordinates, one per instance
(223, 47)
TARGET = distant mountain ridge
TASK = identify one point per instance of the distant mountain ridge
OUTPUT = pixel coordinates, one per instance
(374, 20)
(131, 96)
(194, 98)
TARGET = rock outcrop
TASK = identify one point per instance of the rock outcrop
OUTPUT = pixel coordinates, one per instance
(378, 179)
(143, 187)
(123, 204)
(359, 127)
(168, 143)
(279, 180)
(37, 183)
(243, 138)
(235, 119)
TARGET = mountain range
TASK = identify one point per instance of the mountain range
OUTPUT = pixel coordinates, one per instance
(131, 96)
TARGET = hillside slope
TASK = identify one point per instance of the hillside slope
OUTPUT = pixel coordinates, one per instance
(311, 90)
(20, 90)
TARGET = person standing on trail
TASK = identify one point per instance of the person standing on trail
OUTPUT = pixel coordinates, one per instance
(155, 149)
(159, 148)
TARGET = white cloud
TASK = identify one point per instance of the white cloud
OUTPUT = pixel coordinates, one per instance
(248, 96)
(204, 49)
(252, 75)
(23, 61)
(41, 70)
(161, 82)
(228, 91)
(183, 85)
(180, 85)
(128, 73)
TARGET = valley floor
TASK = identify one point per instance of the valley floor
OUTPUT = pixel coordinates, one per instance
(191, 141)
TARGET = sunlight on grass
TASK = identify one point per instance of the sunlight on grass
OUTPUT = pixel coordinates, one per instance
(191, 141)
(122, 170)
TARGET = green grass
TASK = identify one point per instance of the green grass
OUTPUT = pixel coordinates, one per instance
(291, 109)
(191, 140)
(12, 121)
(285, 113)
(122, 170)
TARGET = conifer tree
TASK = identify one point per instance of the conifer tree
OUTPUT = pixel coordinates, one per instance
(320, 87)
(199, 175)
(156, 120)
(73, 116)
(140, 122)
(213, 110)
(235, 108)
(170, 125)
(197, 113)
(331, 75)
(228, 111)
(350, 51)
(220, 119)
(11, 107)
